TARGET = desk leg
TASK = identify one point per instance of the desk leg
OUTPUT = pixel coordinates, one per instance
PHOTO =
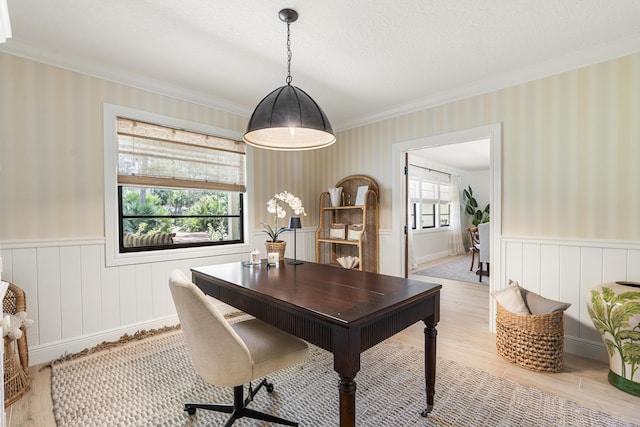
(346, 362)
(430, 334)
(347, 388)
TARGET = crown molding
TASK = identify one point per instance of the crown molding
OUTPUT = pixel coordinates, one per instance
(24, 50)
(593, 55)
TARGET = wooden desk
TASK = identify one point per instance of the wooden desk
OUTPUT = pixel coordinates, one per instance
(342, 311)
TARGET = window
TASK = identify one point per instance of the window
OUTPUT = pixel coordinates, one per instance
(167, 188)
(429, 198)
(428, 215)
(153, 218)
(444, 214)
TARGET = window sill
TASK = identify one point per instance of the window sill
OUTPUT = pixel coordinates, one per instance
(114, 258)
(431, 230)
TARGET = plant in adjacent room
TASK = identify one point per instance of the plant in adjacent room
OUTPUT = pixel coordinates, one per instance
(478, 216)
(275, 206)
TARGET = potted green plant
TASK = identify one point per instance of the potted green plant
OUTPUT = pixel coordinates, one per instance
(478, 216)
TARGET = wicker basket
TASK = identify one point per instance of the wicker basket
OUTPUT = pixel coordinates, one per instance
(535, 342)
(16, 352)
(16, 380)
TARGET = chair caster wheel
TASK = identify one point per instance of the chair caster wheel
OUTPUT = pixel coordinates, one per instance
(190, 410)
(269, 388)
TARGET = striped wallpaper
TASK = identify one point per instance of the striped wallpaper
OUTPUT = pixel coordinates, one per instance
(51, 148)
(571, 148)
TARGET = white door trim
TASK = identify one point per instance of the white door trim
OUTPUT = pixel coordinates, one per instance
(494, 134)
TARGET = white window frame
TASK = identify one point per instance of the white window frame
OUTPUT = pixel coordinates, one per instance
(113, 257)
(419, 201)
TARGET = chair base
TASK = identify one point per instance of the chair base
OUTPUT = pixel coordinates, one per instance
(482, 272)
(239, 408)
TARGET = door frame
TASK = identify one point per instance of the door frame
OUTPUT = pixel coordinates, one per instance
(398, 150)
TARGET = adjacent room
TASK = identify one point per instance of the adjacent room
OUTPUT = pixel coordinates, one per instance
(397, 212)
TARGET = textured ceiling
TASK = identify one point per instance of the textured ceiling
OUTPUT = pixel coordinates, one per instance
(361, 60)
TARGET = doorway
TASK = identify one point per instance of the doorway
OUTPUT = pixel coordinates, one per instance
(491, 132)
(436, 178)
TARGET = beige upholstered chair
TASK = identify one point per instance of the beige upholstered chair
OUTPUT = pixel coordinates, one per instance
(231, 355)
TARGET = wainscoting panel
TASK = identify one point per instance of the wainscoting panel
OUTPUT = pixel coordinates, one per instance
(92, 289)
(111, 306)
(70, 292)
(566, 271)
(570, 289)
(77, 302)
(49, 279)
(24, 266)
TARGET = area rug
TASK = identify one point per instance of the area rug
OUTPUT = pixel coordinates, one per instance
(454, 270)
(146, 383)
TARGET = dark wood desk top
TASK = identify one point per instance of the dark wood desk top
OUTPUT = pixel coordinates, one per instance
(343, 297)
(342, 311)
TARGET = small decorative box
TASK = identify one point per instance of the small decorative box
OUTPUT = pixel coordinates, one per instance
(337, 231)
(354, 231)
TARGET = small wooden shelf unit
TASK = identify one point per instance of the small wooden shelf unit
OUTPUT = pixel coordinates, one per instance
(328, 250)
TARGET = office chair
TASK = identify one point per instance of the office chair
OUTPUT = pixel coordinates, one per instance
(231, 355)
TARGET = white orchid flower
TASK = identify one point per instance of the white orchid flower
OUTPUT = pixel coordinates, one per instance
(274, 206)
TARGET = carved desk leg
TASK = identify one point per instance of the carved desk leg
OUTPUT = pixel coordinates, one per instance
(347, 401)
(430, 334)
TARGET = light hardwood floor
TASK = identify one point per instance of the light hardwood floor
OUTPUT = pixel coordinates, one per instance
(463, 336)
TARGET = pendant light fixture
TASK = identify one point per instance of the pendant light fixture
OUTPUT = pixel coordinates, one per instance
(288, 118)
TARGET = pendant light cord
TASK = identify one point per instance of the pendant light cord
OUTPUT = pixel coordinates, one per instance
(288, 54)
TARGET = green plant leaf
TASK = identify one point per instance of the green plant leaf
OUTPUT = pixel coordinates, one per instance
(596, 312)
(622, 312)
(629, 335)
(269, 232)
(631, 352)
(607, 294)
(626, 296)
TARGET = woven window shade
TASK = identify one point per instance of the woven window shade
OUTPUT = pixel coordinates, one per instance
(429, 192)
(428, 185)
(157, 156)
(444, 193)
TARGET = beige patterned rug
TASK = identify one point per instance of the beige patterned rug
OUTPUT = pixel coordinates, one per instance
(457, 269)
(145, 383)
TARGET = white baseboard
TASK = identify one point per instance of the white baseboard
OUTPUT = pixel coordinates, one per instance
(585, 348)
(431, 257)
(52, 351)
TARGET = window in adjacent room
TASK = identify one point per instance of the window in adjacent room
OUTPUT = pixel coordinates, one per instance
(429, 198)
(177, 188)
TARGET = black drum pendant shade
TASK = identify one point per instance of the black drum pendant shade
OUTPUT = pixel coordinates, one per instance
(288, 118)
